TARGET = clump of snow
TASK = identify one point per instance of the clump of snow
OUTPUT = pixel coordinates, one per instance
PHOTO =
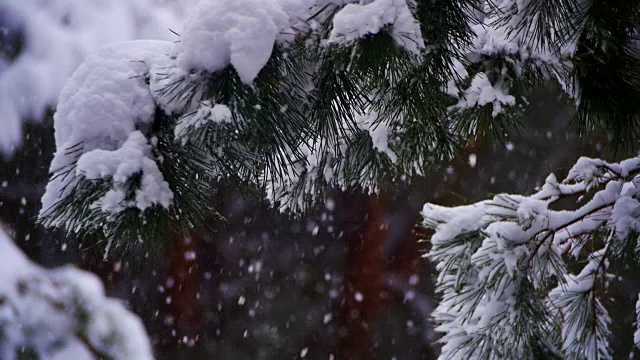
(452, 222)
(58, 35)
(105, 101)
(62, 313)
(206, 113)
(460, 72)
(240, 32)
(378, 131)
(494, 38)
(483, 92)
(530, 209)
(587, 170)
(568, 299)
(134, 157)
(625, 216)
(355, 21)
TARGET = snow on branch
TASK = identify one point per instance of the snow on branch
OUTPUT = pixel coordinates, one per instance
(296, 97)
(139, 120)
(503, 264)
(241, 33)
(62, 314)
(355, 21)
(106, 100)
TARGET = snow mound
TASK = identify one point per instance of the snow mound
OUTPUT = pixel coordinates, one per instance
(241, 33)
(355, 21)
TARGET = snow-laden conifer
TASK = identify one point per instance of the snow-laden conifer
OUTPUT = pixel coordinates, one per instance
(522, 278)
(288, 98)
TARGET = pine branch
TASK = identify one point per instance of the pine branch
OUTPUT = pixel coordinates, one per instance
(523, 244)
(346, 96)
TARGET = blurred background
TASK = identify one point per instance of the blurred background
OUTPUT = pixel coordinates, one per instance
(346, 281)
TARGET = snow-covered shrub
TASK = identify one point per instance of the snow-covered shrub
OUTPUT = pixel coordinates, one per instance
(62, 314)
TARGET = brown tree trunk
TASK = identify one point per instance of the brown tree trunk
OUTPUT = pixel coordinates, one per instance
(182, 308)
(364, 290)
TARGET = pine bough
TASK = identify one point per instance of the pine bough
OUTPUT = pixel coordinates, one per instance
(522, 280)
(289, 98)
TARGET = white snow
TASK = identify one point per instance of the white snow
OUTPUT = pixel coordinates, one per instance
(207, 112)
(240, 32)
(587, 170)
(378, 131)
(58, 312)
(624, 216)
(134, 157)
(482, 92)
(105, 101)
(493, 38)
(58, 36)
(568, 299)
(172, 88)
(355, 21)
(515, 237)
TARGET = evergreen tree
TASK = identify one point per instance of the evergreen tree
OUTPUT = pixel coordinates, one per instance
(288, 98)
(521, 277)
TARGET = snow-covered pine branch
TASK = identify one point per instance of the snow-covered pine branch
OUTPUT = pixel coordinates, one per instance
(62, 314)
(507, 266)
(271, 93)
(292, 97)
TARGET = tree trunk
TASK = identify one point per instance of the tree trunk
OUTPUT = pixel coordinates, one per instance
(183, 310)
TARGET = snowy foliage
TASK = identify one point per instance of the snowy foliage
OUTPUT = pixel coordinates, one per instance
(293, 97)
(521, 278)
(207, 88)
(44, 42)
(356, 21)
(62, 314)
(242, 34)
(110, 89)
